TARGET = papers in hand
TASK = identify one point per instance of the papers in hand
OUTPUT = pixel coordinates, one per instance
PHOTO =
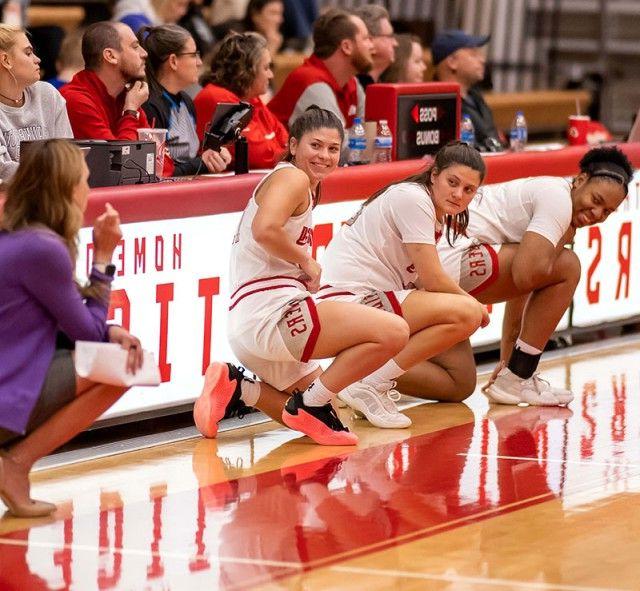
(106, 363)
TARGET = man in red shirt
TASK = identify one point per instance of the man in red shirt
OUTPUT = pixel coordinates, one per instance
(342, 49)
(104, 99)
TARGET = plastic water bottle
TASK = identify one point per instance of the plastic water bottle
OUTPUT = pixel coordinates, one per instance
(518, 135)
(357, 143)
(383, 146)
(467, 131)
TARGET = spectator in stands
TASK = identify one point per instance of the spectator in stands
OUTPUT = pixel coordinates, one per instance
(461, 58)
(69, 61)
(42, 401)
(140, 13)
(242, 72)
(376, 18)
(104, 100)
(195, 22)
(327, 78)
(173, 64)
(29, 109)
(264, 17)
(409, 65)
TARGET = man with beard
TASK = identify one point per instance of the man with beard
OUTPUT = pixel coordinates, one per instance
(376, 19)
(342, 49)
(104, 100)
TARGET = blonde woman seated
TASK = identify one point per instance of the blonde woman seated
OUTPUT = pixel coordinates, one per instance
(43, 403)
(409, 65)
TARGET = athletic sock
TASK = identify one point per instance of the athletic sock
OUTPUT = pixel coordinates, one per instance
(317, 394)
(384, 375)
(524, 359)
(249, 392)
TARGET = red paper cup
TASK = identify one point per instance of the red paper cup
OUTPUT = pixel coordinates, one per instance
(578, 128)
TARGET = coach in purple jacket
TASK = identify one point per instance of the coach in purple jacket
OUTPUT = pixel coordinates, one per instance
(42, 401)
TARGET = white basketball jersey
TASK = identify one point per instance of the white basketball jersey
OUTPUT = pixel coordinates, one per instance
(249, 261)
(502, 213)
(369, 251)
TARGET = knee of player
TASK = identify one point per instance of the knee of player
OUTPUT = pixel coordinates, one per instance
(569, 266)
(468, 315)
(465, 386)
(396, 334)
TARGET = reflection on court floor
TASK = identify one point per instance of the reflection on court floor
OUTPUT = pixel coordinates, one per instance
(447, 502)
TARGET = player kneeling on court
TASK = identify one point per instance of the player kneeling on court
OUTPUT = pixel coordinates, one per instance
(275, 327)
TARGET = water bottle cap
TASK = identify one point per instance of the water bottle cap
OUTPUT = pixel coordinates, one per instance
(518, 113)
(357, 120)
(383, 121)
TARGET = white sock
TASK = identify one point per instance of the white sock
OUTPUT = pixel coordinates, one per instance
(317, 394)
(249, 392)
(383, 375)
(526, 348)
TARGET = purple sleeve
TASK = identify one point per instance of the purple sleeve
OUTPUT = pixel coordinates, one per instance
(47, 275)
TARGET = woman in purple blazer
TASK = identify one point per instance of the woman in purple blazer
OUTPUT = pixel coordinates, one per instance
(43, 403)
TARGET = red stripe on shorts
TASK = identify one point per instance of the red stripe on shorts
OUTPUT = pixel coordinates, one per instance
(315, 330)
(395, 304)
(335, 293)
(267, 279)
(244, 295)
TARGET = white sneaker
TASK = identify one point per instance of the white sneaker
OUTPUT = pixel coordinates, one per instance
(508, 388)
(380, 410)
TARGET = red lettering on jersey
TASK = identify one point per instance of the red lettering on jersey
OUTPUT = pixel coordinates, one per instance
(624, 258)
(207, 288)
(593, 293)
(306, 237)
(322, 235)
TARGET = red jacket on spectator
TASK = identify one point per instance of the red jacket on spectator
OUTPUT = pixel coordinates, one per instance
(95, 115)
(312, 83)
(266, 136)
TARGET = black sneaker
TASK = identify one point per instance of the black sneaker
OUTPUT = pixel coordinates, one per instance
(321, 423)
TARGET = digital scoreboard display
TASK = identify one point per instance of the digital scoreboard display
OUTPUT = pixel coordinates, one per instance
(425, 123)
(422, 117)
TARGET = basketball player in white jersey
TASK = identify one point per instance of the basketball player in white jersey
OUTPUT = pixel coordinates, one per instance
(275, 328)
(384, 251)
(515, 253)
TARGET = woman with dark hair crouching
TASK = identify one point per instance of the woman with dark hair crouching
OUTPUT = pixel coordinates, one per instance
(43, 403)
(515, 252)
(386, 256)
(172, 65)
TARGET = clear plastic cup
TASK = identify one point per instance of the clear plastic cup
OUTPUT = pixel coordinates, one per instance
(159, 136)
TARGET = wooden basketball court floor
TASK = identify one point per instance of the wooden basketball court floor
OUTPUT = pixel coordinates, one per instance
(471, 497)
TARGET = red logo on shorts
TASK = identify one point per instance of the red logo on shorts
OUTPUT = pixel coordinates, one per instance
(306, 237)
(295, 320)
(478, 267)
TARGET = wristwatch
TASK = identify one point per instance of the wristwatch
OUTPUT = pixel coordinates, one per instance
(105, 268)
(132, 112)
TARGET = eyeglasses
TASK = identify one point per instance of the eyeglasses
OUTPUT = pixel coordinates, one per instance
(191, 53)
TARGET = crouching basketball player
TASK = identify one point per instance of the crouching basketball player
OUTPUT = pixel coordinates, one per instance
(378, 258)
(275, 328)
(515, 253)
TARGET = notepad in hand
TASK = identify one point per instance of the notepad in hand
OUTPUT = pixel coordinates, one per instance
(106, 363)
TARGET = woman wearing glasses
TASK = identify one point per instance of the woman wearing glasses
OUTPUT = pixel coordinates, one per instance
(172, 66)
(241, 70)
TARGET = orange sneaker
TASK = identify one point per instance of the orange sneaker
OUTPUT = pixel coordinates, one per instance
(321, 423)
(220, 397)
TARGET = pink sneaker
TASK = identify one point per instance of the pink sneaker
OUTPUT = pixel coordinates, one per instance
(220, 398)
(321, 423)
